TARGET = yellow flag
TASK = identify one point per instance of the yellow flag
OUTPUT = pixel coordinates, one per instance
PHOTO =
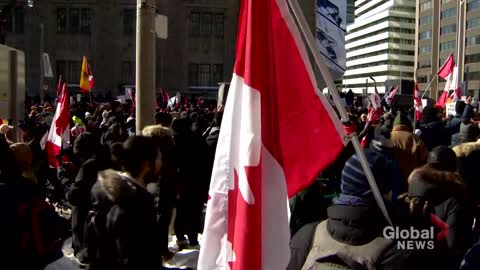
(86, 78)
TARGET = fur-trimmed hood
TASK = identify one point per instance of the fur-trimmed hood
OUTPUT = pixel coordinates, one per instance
(465, 149)
(116, 187)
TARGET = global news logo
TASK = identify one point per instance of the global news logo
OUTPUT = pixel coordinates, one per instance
(414, 239)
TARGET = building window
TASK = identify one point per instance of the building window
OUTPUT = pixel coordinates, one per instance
(69, 70)
(128, 72)
(61, 20)
(194, 23)
(206, 24)
(424, 63)
(474, 76)
(472, 41)
(218, 27)
(426, 5)
(446, 1)
(422, 79)
(19, 20)
(86, 21)
(204, 75)
(74, 20)
(61, 69)
(447, 29)
(472, 58)
(447, 45)
(128, 21)
(448, 13)
(193, 74)
(474, 22)
(472, 5)
(217, 74)
(74, 71)
(426, 20)
(425, 49)
(425, 35)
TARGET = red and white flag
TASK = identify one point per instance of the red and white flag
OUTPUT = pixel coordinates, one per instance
(447, 67)
(268, 149)
(417, 101)
(452, 84)
(59, 134)
(376, 100)
(391, 95)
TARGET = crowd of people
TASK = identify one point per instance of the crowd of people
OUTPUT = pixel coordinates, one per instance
(426, 172)
(121, 189)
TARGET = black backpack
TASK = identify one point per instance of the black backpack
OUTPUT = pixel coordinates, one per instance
(42, 231)
(100, 243)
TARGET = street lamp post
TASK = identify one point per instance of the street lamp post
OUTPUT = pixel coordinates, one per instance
(145, 64)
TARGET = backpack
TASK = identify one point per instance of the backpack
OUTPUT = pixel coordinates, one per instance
(326, 253)
(41, 232)
(99, 241)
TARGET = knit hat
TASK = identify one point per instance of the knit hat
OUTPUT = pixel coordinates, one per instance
(469, 132)
(354, 180)
(85, 144)
(443, 157)
(4, 129)
(402, 120)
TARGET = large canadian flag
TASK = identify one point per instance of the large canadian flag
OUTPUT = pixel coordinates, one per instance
(269, 147)
(59, 134)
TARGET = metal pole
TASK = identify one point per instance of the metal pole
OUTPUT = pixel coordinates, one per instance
(459, 43)
(42, 71)
(428, 86)
(366, 87)
(145, 64)
(320, 61)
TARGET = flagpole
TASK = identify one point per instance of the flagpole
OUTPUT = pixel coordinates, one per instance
(459, 43)
(320, 61)
(429, 84)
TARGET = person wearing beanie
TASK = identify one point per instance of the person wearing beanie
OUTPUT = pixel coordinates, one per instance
(463, 112)
(352, 237)
(432, 128)
(442, 158)
(408, 149)
(469, 132)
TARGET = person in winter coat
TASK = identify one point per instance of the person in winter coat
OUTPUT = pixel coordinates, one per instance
(408, 149)
(352, 236)
(443, 193)
(25, 215)
(442, 158)
(167, 183)
(469, 132)
(433, 132)
(88, 153)
(471, 260)
(122, 230)
(24, 158)
(464, 111)
(193, 182)
(468, 156)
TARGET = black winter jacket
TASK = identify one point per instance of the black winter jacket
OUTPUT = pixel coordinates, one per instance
(122, 230)
(359, 225)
